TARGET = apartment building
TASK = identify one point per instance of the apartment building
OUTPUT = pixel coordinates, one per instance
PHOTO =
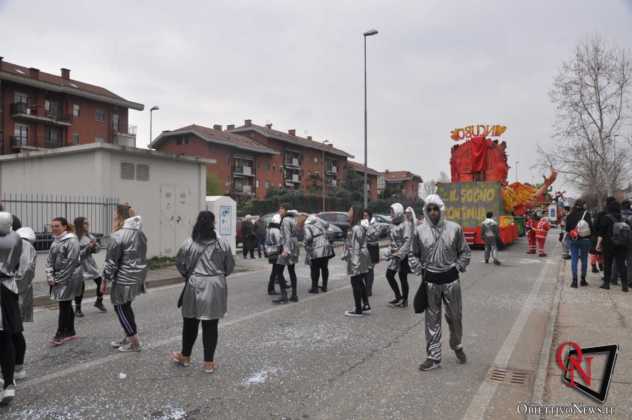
(372, 177)
(402, 183)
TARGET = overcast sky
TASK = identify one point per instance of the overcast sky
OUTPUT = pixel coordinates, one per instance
(435, 65)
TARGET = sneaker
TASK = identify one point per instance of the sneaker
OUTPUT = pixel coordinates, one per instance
(78, 313)
(496, 262)
(120, 343)
(402, 304)
(542, 254)
(323, 289)
(313, 290)
(366, 309)
(129, 348)
(7, 395)
(583, 282)
(353, 313)
(19, 373)
(209, 367)
(605, 286)
(460, 354)
(530, 252)
(58, 340)
(625, 289)
(595, 269)
(99, 305)
(486, 261)
(394, 302)
(429, 364)
(294, 299)
(70, 336)
(179, 359)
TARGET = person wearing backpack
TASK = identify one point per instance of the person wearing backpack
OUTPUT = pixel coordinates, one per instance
(489, 232)
(614, 239)
(579, 230)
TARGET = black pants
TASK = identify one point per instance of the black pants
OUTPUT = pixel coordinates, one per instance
(368, 283)
(209, 337)
(66, 320)
(359, 292)
(126, 317)
(247, 250)
(273, 280)
(7, 357)
(79, 298)
(281, 279)
(618, 256)
(316, 267)
(403, 279)
(19, 343)
(277, 275)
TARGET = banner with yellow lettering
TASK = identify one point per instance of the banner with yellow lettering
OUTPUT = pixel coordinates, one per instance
(468, 202)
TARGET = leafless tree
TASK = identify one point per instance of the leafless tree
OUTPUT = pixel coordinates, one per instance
(592, 95)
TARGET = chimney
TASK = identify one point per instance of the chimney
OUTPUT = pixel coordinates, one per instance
(269, 126)
(309, 137)
(247, 123)
(291, 132)
(34, 73)
(217, 127)
(65, 74)
(1, 62)
(230, 127)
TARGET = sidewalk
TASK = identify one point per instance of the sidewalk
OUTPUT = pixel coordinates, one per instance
(592, 317)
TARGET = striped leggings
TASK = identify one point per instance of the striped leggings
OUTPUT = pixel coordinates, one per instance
(125, 315)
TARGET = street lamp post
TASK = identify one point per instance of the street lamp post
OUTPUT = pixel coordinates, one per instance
(151, 113)
(366, 34)
(324, 180)
(517, 170)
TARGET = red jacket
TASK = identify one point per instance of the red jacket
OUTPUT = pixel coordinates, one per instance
(542, 228)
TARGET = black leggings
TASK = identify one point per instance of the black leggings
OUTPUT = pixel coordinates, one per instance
(209, 336)
(7, 357)
(359, 292)
(403, 279)
(79, 298)
(66, 320)
(126, 317)
(317, 266)
(19, 343)
(277, 275)
(617, 256)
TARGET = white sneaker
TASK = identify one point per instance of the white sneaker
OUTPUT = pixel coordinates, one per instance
(7, 395)
(129, 348)
(353, 314)
(20, 374)
(120, 343)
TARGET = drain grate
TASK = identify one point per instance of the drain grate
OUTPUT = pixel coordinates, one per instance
(509, 376)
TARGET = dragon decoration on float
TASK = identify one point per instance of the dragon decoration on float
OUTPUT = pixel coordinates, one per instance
(481, 159)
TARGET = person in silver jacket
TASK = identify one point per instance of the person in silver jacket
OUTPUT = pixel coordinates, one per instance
(398, 256)
(24, 278)
(290, 253)
(356, 254)
(63, 271)
(272, 249)
(489, 232)
(440, 252)
(126, 268)
(10, 320)
(374, 232)
(204, 261)
(88, 246)
(318, 250)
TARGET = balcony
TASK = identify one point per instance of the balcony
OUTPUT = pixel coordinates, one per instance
(22, 143)
(243, 189)
(292, 162)
(332, 170)
(24, 111)
(243, 171)
(125, 138)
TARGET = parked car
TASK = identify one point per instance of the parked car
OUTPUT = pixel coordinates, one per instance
(337, 218)
(382, 218)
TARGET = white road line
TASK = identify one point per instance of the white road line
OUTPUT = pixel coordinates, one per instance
(482, 398)
(98, 362)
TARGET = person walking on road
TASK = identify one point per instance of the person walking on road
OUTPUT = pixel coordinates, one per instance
(318, 251)
(250, 238)
(204, 261)
(614, 242)
(63, 271)
(440, 252)
(87, 247)
(541, 231)
(489, 232)
(356, 254)
(126, 269)
(374, 232)
(260, 233)
(398, 256)
(24, 279)
(10, 319)
(578, 231)
(272, 250)
(290, 253)
(530, 226)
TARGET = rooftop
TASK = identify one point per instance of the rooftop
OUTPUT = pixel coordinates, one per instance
(61, 83)
(400, 176)
(216, 136)
(358, 167)
(290, 137)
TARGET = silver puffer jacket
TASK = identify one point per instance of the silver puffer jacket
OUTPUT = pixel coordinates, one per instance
(438, 248)
(356, 253)
(126, 262)
(289, 241)
(26, 273)
(489, 229)
(63, 267)
(10, 252)
(400, 238)
(273, 242)
(206, 265)
(88, 264)
(316, 242)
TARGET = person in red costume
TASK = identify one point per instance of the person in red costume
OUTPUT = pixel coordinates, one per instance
(541, 230)
(530, 226)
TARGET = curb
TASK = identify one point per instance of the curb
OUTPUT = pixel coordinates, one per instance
(539, 384)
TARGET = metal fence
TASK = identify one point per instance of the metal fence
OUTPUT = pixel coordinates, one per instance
(37, 210)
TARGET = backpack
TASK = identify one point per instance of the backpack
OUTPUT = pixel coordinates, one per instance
(621, 234)
(583, 228)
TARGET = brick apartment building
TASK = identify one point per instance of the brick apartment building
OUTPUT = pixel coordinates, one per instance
(242, 165)
(403, 183)
(372, 177)
(42, 110)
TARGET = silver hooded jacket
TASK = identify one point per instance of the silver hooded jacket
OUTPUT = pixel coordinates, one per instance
(400, 238)
(88, 264)
(273, 241)
(206, 265)
(26, 272)
(316, 241)
(356, 253)
(489, 229)
(289, 241)
(126, 261)
(438, 247)
(63, 267)
(10, 252)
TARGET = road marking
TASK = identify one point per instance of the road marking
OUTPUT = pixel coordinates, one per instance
(478, 406)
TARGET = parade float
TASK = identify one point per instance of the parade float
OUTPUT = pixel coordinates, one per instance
(479, 172)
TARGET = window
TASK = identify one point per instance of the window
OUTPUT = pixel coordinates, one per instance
(100, 115)
(76, 110)
(142, 172)
(267, 184)
(52, 137)
(115, 122)
(127, 170)
(75, 138)
(51, 107)
(21, 134)
(257, 183)
(21, 98)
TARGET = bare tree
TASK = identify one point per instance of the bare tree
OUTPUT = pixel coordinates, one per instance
(429, 187)
(592, 95)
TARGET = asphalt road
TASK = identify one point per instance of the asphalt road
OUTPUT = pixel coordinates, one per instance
(299, 361)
